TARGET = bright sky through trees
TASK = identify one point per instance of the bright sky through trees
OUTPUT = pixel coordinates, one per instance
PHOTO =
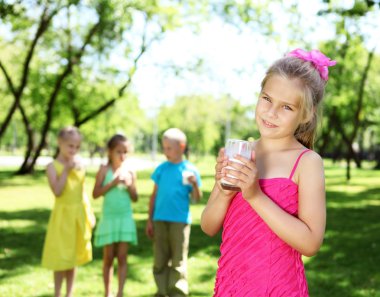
(233, 59)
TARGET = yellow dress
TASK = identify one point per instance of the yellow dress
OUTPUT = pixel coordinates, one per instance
(68, 237)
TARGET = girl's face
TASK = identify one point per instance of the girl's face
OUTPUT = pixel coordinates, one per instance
(118, 154)
(173, 150)
(278, 111)
(69, 146)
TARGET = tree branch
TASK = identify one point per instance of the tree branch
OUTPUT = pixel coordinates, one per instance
(49, 112)
(143, 48)
(17, 94)
(42, 27)
(8, 79)
(95, 113)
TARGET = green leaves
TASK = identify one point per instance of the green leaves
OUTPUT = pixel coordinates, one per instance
(204, 120)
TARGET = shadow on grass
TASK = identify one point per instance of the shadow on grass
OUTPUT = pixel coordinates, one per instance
(21, 245)
(7, 178)
(348, 263)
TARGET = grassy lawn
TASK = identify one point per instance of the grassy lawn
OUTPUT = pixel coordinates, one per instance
(347, 265)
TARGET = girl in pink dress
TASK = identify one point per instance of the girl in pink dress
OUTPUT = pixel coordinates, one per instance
(280, 213)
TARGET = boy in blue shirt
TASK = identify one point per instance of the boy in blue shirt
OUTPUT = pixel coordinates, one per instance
(169, 215)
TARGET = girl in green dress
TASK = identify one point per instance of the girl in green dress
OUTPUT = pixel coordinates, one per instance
(116, 228)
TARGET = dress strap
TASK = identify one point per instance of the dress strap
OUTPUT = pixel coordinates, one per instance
(296, 163)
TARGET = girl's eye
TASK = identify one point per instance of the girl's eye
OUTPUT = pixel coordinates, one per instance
(267, 98)
(287, 107)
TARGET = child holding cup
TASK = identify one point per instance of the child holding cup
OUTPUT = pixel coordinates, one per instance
(169, 215)
(279, 214)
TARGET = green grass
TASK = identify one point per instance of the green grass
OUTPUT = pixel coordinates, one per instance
(346, 266)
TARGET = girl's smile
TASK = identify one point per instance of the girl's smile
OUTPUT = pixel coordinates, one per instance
(268, 124)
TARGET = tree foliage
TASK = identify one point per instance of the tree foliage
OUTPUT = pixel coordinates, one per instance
(57, 63)
(351, 103)
(63, 48)
(204, 120)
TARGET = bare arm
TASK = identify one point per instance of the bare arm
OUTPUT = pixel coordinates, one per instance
(304, 233)
(149, 224)
(151, 202)
(215, 211)
(217, 205)
(99, 189)
(57, 183)
(132, 188)
(196, 193)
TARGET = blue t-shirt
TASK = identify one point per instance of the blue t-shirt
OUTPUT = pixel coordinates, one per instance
(172, 203)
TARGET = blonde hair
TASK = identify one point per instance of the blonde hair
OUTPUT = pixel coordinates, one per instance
(68, 132)
(312, 87)
(175, 134)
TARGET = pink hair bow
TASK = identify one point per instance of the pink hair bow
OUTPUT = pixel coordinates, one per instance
(319, 60)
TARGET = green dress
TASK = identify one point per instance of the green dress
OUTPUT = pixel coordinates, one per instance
(116, 223)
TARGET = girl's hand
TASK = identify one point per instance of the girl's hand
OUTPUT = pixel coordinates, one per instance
(117, 180)
(221, 162)
(127, 179)
(123, 179)
(246, 175)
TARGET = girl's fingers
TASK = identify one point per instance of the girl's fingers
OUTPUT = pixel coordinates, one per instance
(221, 158)
(245, 161)
(231, 180)
(241, 171)
(236, 174)
(246, 167)
(221, 161)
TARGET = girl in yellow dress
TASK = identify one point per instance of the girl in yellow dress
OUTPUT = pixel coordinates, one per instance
(68, 237)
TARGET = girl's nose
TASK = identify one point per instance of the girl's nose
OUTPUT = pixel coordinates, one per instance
(272, 111)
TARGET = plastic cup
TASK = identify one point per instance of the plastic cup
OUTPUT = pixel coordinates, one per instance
(235, 147)
(185, 177)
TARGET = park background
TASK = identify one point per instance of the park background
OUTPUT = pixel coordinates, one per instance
(140, 67)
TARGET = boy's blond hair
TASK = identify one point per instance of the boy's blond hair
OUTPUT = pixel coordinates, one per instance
(175, 134)
(68, 132)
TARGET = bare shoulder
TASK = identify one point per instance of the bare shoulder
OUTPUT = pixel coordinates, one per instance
(50, 167)
(310, 167)
(50, 164)
(311, 160)
(51, 173)
(102, 169)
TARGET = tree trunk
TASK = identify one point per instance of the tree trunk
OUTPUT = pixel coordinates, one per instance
(25, 169)
(324, 140)
(348, 168)
(377, 157)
